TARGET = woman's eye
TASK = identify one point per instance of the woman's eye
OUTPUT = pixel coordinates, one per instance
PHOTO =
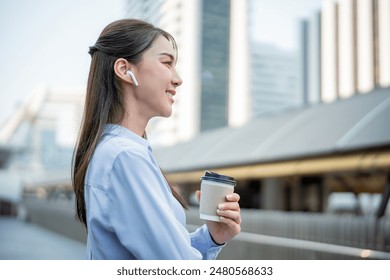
(168, 63)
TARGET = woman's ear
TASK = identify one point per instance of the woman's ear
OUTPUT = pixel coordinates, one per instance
(121, 66)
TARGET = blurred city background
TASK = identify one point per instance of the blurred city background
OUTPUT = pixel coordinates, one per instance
(291, 98)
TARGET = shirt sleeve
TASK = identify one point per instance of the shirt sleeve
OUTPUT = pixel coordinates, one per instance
(201, 239)
(140, 214)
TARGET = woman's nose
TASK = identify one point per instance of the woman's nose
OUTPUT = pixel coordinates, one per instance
(176, 79)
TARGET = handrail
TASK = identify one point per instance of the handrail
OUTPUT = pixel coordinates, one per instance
(307, 245)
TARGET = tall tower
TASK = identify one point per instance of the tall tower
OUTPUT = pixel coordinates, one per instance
(355, 47)
(310, 59)
(215, 27)
(239, 108)
(275, 79)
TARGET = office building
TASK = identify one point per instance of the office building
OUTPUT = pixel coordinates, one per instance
(215, 25)
(310, 59)
(275, 80)
(355, 46)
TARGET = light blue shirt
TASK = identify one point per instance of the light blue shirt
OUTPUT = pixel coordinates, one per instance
(131, 212)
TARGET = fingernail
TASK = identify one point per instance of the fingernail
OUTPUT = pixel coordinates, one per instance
(220, 206)
(229, 196)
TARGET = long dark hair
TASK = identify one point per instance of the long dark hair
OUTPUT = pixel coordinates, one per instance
(104, 103)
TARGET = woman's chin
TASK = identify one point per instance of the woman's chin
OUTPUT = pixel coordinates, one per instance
(167, 113)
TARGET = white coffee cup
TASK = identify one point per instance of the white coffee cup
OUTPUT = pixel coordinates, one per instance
(214, 188)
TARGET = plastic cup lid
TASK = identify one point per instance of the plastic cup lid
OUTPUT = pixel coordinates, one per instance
(213, 176)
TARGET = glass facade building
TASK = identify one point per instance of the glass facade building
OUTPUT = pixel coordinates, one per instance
(214, 64)
(275, 80)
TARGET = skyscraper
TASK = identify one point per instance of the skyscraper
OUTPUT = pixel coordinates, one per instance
(355, 47)
(310, 59)
(275, 79)
(215, 64)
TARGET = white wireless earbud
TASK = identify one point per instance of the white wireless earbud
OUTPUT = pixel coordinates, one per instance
(131, 75)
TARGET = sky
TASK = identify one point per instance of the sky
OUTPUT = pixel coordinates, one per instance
(275, 22)
(46, 42)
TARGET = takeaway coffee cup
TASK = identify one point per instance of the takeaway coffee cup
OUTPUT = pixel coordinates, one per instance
(214, 188)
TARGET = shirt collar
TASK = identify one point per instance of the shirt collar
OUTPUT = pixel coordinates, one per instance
(121, 131)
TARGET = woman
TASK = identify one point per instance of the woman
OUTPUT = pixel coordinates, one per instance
(122, 197)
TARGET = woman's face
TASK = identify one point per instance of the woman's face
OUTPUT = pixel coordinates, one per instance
(158, 79)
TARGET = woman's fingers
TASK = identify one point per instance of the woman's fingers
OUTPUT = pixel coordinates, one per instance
(231, 203)
(231, 208)
(233, 197)
(229, 214)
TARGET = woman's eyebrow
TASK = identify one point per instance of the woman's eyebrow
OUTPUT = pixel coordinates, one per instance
(168, 54)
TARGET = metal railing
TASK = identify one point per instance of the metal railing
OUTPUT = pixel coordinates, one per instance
(265, 234)
(293, 235)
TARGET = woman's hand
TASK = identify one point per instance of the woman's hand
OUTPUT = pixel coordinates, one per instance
(230, 219)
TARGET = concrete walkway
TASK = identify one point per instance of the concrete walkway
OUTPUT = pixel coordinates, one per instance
(24, 241)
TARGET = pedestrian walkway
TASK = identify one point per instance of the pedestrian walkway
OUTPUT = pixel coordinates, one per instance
(26, 241)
